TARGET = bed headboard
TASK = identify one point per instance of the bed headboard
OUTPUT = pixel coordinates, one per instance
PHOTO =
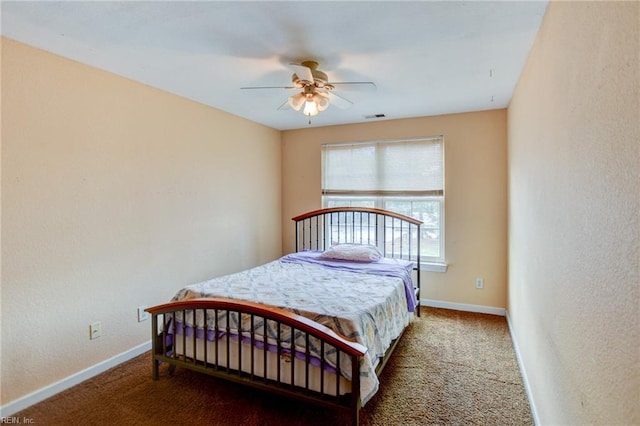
(396, 235)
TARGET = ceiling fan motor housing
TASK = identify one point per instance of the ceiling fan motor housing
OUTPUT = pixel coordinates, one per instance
(320, 79)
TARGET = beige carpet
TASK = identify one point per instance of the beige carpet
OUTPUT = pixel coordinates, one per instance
(451, 368)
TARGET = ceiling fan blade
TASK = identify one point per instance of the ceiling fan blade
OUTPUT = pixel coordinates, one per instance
(368, 86)
(339, 101)
(303, 72)
(268, 87)
(285, 105)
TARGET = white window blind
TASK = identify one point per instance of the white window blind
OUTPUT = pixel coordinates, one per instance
(405, 176)
(413, 167)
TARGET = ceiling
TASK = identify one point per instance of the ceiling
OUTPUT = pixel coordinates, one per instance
(425, 57)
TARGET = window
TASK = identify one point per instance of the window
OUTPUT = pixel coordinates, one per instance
(405, 176)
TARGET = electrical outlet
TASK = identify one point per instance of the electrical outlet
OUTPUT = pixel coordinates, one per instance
(95, 330)
(142, 314)
(479, 283)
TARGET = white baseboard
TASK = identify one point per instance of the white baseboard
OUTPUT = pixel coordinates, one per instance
(523, 372)
(39, 395)
(463, 307)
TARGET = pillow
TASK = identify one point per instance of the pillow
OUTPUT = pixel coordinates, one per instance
(353, 252)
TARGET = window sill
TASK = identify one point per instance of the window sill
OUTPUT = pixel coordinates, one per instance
(433, 267)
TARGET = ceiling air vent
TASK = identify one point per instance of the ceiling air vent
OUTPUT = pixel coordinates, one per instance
(369, 117)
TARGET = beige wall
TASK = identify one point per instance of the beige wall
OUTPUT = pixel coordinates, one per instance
(115, 194)
(574, 227)
(475, 188)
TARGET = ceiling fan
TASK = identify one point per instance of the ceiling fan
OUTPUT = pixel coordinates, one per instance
(315, 91)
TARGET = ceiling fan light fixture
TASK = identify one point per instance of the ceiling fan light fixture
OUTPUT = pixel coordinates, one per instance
(296, 101)
(311, 108)
(321, 100)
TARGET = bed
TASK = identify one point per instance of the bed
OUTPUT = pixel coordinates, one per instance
(317, 325)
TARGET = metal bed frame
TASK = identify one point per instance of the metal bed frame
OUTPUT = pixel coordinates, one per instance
(396, 235)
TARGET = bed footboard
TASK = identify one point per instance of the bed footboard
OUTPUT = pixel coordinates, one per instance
(259, 346)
